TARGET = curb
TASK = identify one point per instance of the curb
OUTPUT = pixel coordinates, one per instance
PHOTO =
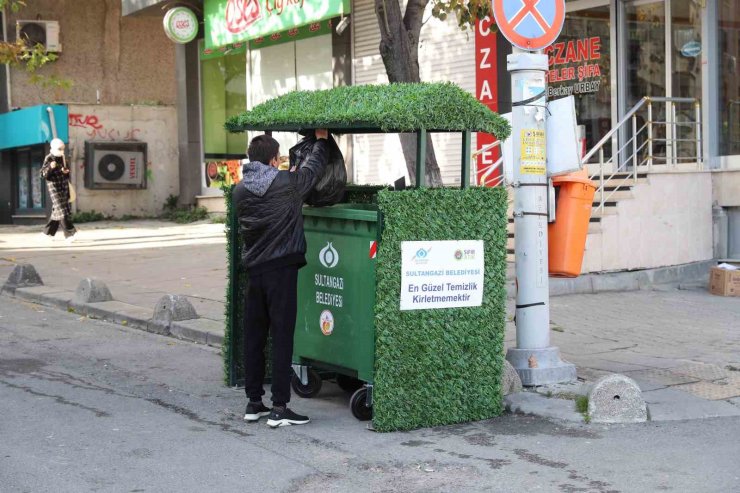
(200, 330)
(676, 276)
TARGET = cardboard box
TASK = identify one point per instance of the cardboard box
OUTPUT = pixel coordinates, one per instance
(723, 282)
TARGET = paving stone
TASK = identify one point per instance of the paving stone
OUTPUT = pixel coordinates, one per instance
(616, 399)
(589, 374)
(671, 405)
(701, 371)
(717, 390)
(603, 364)
(662, 377)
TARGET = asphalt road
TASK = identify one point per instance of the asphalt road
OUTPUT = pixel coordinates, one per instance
(90, 406)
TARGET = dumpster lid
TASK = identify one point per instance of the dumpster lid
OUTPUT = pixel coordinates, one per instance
(356, 212)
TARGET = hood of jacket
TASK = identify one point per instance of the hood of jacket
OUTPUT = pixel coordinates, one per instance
(257, 177)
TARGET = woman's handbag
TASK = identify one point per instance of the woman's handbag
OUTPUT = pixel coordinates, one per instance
(72, 193)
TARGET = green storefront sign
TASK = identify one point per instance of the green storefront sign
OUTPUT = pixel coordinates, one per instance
(233, 21)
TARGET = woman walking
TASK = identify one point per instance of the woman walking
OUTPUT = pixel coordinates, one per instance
(56, 173)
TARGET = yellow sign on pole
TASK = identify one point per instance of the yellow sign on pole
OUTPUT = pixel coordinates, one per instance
(533, 152)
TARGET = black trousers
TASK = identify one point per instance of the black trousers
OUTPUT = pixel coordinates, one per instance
(52, 226)
(271, 304)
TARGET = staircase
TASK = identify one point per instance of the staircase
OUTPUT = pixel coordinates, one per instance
(619, 187)
(624, 177)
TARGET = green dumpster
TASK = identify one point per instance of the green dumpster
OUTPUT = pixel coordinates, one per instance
(407, 368)
(335, 330)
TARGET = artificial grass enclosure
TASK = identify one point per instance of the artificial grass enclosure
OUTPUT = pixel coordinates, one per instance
(444, 366)
(236, 285)
(389, 108)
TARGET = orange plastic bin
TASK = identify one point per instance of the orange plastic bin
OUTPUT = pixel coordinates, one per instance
(567, 235)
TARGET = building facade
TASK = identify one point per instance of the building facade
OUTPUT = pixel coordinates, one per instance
(683, 201)
(121, 98)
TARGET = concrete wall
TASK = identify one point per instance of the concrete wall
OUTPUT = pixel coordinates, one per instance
(726, 187)
(668, 222)
(129, 59)
(155, 125)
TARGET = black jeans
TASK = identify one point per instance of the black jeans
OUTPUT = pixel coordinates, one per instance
(52, 226)
(271, 304)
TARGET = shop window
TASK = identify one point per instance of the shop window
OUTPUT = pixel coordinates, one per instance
(580, 65)
(303, 65)
(224, 86)
(728, 53)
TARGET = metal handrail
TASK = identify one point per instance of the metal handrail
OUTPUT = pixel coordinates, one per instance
(628, 166)
(625, 119)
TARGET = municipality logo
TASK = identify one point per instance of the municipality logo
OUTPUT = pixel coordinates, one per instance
(328, 256)
(421, 256)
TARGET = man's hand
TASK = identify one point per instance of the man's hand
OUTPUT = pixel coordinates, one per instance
(65, 171)
(53, 165)
(321, 133)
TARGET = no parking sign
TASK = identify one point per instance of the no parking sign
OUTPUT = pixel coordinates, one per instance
(530, 24)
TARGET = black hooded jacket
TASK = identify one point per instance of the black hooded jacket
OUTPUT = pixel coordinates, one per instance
(269, 206)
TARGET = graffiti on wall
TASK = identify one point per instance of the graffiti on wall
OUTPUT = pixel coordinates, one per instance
(95, 130)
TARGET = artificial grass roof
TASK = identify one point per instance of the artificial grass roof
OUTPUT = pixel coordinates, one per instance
(440, 107)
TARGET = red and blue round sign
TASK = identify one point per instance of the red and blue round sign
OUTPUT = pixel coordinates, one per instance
(530, 24)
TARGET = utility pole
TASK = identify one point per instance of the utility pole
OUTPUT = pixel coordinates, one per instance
(536, 362)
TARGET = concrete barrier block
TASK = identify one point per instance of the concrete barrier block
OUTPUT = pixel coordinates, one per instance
(616, 399)
(92, 291)
(23, 276)
(511, 383)
(171, 308)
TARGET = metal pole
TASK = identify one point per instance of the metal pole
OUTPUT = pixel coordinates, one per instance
(674, 133)
(634, 146)
(650, 135)
(697, 107)
(465, 172)
(601, 178)
(536, 362)
(421, 158)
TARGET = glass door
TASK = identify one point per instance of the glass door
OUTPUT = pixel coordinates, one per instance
(642, 73)
(660, 56)
(29, 186)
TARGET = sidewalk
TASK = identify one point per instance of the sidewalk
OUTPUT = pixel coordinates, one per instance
(681, 346)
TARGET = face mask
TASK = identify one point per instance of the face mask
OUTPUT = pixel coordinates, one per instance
(57, 152)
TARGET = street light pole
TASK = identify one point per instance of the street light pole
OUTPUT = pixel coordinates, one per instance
(536, 362)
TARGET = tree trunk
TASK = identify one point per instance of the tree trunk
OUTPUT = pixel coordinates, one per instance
(399, 48)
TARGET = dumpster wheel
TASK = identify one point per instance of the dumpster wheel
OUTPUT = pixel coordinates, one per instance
(358, 405)
(311, 388)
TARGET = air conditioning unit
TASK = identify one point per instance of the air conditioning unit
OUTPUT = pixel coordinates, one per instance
(115, 165)
(45, 33)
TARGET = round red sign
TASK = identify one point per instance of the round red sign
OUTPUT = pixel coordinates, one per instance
(530, 24)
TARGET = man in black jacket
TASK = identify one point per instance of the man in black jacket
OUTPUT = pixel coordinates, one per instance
(268, 204)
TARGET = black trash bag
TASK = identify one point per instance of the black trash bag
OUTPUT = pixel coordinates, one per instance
(330, 188)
